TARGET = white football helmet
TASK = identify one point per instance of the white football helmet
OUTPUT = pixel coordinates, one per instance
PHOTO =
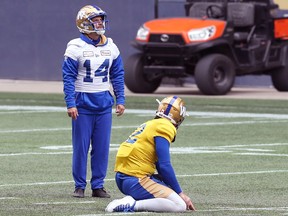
(84, 19)
(172, 108)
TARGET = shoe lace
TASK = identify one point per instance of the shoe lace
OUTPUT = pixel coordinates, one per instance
(123, 208)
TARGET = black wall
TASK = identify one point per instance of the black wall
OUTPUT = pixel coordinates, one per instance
(34, 33)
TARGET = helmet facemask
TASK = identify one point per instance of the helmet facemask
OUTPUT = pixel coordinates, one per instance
(96, 25)
(172, 108)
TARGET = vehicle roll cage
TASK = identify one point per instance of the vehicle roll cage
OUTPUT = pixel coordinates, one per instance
(188, 4)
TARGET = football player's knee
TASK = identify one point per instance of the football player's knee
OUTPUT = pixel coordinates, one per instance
(181, 206)
(179, 203)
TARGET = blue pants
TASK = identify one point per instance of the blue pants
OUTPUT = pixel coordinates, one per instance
(147, 187)
(94, 130)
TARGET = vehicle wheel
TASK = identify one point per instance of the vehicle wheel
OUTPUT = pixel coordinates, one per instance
(215, 74)
(135, 79)
(279, 78)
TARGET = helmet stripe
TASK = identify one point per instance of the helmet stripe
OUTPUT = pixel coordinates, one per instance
(167, 111)
(95, 6)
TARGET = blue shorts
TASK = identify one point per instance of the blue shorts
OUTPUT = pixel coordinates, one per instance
(147, 187)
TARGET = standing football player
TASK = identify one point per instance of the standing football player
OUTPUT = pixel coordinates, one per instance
(145, 151)
(91, 63)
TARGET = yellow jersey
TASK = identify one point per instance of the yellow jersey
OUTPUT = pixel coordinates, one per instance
(137, 155)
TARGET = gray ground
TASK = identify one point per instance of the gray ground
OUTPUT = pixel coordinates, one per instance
(192, 90)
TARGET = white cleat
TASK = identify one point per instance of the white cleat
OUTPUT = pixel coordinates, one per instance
(125, 204)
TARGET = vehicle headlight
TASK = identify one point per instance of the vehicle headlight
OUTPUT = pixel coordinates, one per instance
(201, 34)
(142, 33)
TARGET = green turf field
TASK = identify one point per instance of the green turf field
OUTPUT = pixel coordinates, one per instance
(230, 156)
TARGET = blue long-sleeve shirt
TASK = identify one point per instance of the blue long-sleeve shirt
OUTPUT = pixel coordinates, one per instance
(164, 166)
(85, 71)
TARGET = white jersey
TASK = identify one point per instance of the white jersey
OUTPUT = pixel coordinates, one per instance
(94, 64)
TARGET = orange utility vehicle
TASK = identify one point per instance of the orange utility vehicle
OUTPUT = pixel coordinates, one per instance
(214, 42)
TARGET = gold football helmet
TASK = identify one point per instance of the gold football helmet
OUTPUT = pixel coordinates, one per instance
(172, 108)
(84, 19)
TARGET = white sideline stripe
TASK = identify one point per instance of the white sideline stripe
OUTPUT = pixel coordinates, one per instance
(231, 123)
(219, 209)
(249, 208)
(249, 145)
(34, 130)
(23, 112)
(35, 153)
(180, 176)
(234, 173)
(135, 126)
(32, 108)
(262, 154)
(234, 147)
(8, 198)
(36, 183)
(118, 213)
(45, 183)
(174, 150)
(246, 209)
(152, 112)
(61, 203)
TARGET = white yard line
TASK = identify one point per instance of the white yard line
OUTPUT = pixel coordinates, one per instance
(36, 183)
(278, 118)
(233, 123)
(35, 153)
(234, 173)
(180, 176)
(32, 108)
(34, 130)
(152, 112)
(135, 126)
(8, 198)
(174, 150)
(262, 154)
(250, 208)
(63, 203)
(119, 213)
(220, 209)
